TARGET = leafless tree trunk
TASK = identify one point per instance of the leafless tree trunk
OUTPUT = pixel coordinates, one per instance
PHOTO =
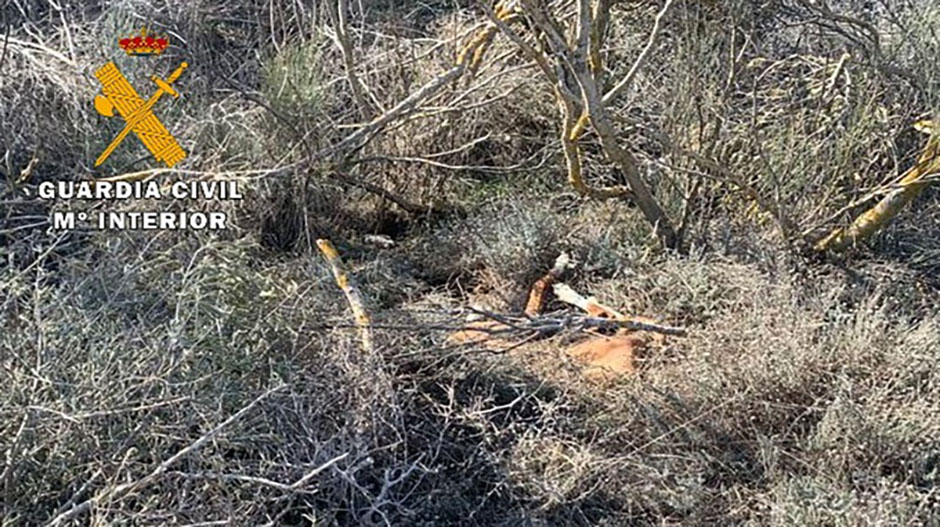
(575, 72)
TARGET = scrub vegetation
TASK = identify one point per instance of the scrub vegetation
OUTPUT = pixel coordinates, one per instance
(756, 172)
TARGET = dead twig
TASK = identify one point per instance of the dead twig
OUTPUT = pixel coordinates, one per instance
(120, 491)
(338, 12)
(10, 462)
(546, 325)
(627, 80)
(291, 487)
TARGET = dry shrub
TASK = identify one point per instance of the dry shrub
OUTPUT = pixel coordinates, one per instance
(481, 133)
(806, 393)
(807, 134)
(139, 359)
(792, 393)
(498, 251)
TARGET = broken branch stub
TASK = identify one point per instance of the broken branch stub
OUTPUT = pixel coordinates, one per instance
(540, 289)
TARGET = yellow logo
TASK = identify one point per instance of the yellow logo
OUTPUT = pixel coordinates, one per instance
(138, 115)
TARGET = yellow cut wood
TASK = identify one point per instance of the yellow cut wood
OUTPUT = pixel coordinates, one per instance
(345, 282)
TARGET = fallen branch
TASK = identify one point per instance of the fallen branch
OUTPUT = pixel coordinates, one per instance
(549, 324)
(344, 281)
(505, 326)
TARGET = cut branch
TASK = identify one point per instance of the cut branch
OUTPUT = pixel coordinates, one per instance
(346, 284)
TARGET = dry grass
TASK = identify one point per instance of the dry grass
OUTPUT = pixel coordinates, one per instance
(806, 394)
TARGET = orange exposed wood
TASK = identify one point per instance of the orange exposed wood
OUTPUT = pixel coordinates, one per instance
(608, 356)
(605, 357)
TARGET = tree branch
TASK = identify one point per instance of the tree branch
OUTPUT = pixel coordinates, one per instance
(644, 55)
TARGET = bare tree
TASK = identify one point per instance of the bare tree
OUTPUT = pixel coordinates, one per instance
(575, 71)
(574, 68)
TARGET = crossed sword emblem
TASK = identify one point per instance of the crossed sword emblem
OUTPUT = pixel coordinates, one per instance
(117, 93)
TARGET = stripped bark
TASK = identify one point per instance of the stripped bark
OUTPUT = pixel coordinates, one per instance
(874, 219)
(353, 297)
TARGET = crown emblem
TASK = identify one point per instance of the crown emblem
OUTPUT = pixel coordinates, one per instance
(144, 44)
